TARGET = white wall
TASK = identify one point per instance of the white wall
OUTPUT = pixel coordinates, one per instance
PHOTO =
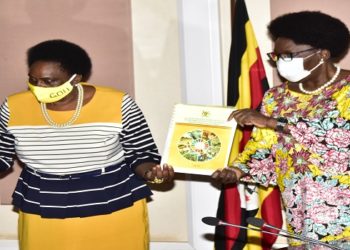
(157, 89)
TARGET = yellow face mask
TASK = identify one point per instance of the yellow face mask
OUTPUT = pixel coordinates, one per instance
(52, 94)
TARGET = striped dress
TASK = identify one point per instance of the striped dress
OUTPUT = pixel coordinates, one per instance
(80, 171)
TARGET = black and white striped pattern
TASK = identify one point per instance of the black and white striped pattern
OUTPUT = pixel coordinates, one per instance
(7, 141)
(74, 149)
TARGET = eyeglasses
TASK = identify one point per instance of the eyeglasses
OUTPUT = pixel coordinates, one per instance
(286, 56)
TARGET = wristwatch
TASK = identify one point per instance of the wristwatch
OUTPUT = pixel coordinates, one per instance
(281, 123)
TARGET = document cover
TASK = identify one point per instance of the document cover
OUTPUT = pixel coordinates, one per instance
(199, 139)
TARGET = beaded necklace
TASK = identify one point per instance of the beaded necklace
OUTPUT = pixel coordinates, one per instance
(73, 118)
(325, 85)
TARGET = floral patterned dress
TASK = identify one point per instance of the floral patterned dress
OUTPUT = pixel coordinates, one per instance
(311, 164)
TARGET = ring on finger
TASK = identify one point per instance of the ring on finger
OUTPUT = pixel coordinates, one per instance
(157, 180)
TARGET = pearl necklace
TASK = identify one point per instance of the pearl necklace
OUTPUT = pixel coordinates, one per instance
(73, 118)
(313, 92)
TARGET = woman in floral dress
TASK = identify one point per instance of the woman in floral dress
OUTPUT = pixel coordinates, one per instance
(301, 139)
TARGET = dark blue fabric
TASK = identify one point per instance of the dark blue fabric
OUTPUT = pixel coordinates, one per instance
(53, 196)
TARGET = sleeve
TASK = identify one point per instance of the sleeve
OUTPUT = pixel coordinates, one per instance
(136, 137)
(7, 140)
(257, 159)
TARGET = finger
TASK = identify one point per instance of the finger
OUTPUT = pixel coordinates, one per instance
(159, 173)
(242, 115)
(171, 170)
(165, 172)
(230, 177)
(232, 115)
(148, 175)
(235, 113)
(171, 173)
(245, 119)
(240, 118)
(154, 172)
(216, 174)
(226, 177)
(222, 175)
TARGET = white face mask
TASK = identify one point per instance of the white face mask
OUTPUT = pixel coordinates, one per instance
(293, 70)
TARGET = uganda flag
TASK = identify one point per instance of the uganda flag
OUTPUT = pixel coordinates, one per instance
(246, 86)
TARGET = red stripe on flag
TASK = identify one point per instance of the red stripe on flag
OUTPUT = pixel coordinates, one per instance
(271, 214)
(232, 203)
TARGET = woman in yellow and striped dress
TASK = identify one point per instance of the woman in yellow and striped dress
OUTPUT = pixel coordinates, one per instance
(87, 153)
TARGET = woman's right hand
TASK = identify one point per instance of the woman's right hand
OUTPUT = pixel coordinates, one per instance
(252, 117)
(227, 175)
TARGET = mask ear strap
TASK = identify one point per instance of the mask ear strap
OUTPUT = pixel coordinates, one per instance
(72, 78)
(312, 54)
(321, 62)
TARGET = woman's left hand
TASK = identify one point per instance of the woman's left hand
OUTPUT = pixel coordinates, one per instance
(250, 117)
(227, 175)
(159, 174)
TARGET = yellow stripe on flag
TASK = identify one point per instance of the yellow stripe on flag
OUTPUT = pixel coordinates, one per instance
(248, 59)
(244, 101)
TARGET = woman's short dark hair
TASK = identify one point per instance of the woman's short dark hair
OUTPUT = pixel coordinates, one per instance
(70, 56)
(313, 28)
